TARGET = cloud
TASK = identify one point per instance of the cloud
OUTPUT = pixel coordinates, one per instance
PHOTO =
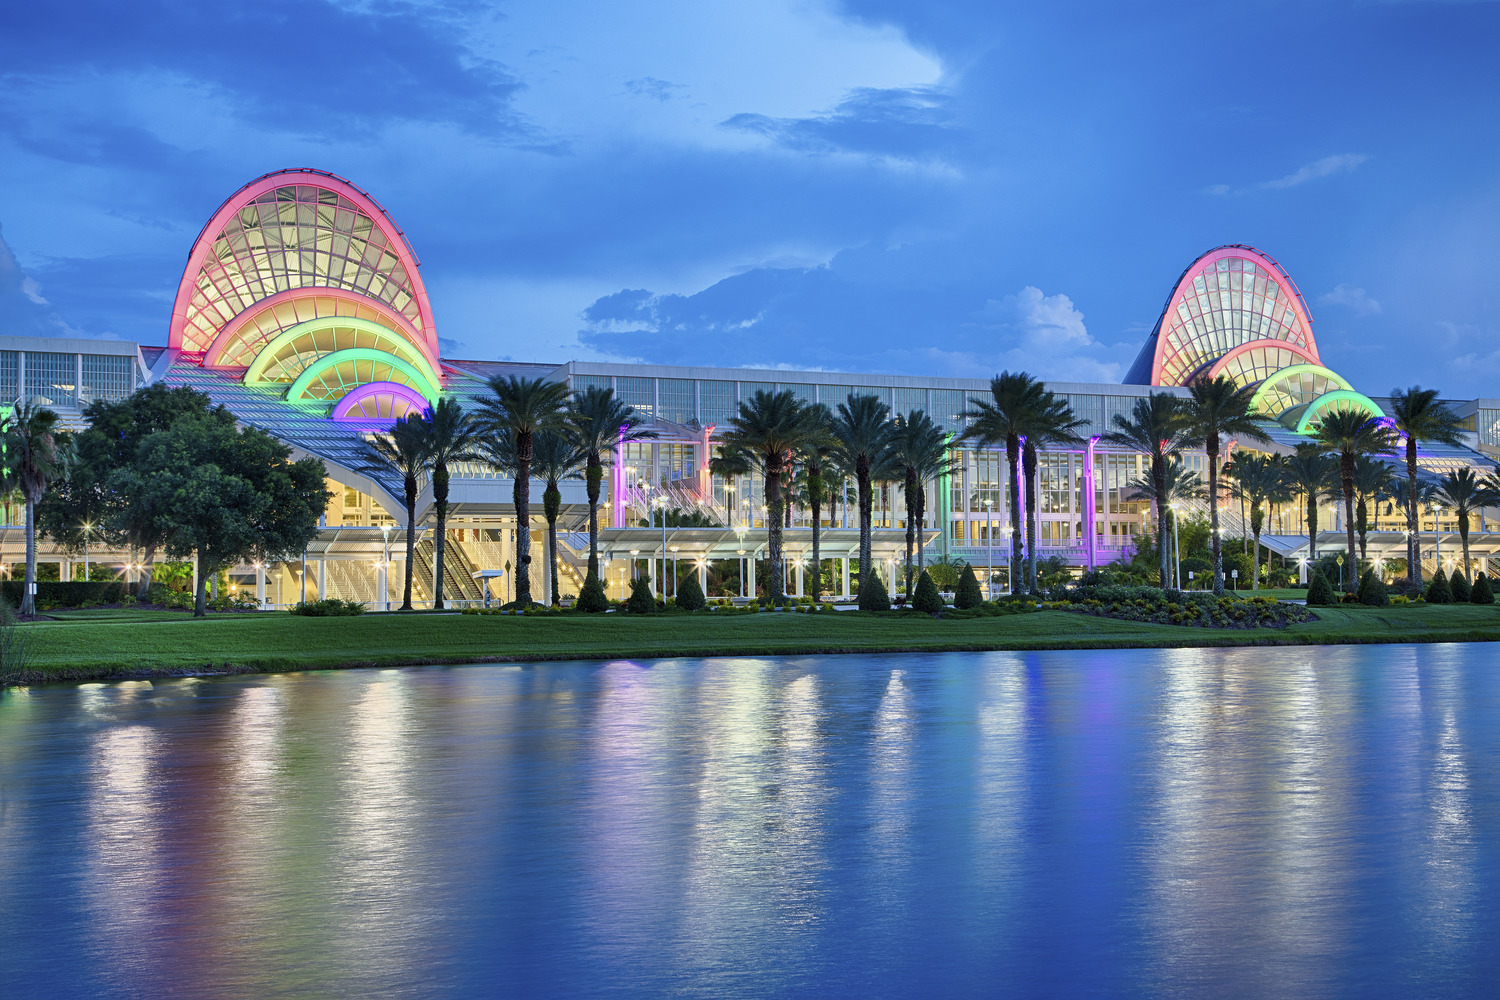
(1328, 166)
(23, 311)
(1045, 335)
(650, 86)
(905, 122)
(1354, 298)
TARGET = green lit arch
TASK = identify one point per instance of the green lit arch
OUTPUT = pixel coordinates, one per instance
(1315, 408)
(407, 351)
(357, 354)
(1268, 384)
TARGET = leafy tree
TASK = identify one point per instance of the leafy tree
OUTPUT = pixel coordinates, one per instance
(36, 455)
(400, 451)
(1157, 428)
(1173, 486)
(1438, 591)
(968, 594)
(946, 571)
(522, 407)
(1466, 494)
(1372, 590)
(689, 594)
(1419, 416)
(1313, 474)
(1459, 585)
(640, 601)
(1319, 590)
(861, 433)
(1482, 593)
(1259, 480)
(1216, 409)
(448, 436)
(927, 599)
(229, 495)
(599, 422)
(769, 430)
(872, 593)
(1351, 433)
(919, 450)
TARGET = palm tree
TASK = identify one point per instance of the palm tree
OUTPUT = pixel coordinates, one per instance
(1350, 433)
(817, 443)
(399, 452)
(1052, 422)
(522, 407)
(1217, 409)
(1006, 416)
(919, 451)
(1418, 416)
(36, 454)
(1371, 480)
(1175, 485)
(600, 421)
(1156, 428)
(1259, 480)
(861, 433)
(1467, 494)
(768, 432)
(1314, 474)
(448, 435)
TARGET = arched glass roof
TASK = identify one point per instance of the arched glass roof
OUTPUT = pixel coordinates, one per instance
(244, 336)
(287, 355)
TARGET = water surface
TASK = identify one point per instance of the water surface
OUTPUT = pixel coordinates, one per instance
(1196, 823)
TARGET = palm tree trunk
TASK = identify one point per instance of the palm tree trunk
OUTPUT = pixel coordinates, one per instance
(862, 481)
(411, 539)
(1346, 470)
(1028, 459)
(1013, 458)
(28, 592)
(143, 585)
(1413, 570)
(773, 535)
(1216, 544)
(1312, 531)
(1463, 537)
(1362, 513)
(1159, 480)
(921, 527)
(911, 479)
(1255, 566)
(815, 501)
(521, 498)
(595, 480)
(200, 593)
(552, 558)
(439, 545)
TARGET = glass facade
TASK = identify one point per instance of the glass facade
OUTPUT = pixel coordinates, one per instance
(51, 379)
(106, 376)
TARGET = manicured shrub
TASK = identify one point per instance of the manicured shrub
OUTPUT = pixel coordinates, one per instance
(330, 608)
(968, 594)
(1319, 590)
(66, 593)
(872, 593)
(1438, 591)
(641, 600)
(1481, 594)
(1459, 585)
(1372, 590)
(690, 595)
(927, 599)
(592, 598)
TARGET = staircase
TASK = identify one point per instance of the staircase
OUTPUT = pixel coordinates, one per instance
(458, 583)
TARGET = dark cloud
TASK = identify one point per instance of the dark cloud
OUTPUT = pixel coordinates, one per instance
(24, 311)
(650, 86)
(903, 122)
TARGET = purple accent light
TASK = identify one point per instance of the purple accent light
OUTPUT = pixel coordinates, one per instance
(389, 400)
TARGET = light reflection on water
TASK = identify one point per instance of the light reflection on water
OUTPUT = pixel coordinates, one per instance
(1306, 822)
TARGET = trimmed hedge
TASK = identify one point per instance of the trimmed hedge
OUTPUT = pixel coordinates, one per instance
(1459, 584)
(1175, 607)
(330, 608)
(968, 594)
(592, 598)
(872, 593)
(1438, 591)
(66, 593)
(1482, 594)
(689, 594)
(641, 601)
(1372, 591)
(1319, 590)
(927, 599)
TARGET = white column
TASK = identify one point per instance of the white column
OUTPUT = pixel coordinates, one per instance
(78, 380)
(703, 578)
(799, 579)
(381, 573)
(651, 575)
(322, 579)
(845, 571)
(260, 585)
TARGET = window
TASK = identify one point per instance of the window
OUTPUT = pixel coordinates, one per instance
(832, 395)
(903, 401)
(50, 378)
(106, 376)
(749, 389)
(639, 393)
(581, 383)
(948, 406)
(716, 402)
(9, 390)
(676, 400)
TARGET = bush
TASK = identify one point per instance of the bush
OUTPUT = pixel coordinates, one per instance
(1459, 585)
(926, 599)
(968, 594)
(330, 608)
(1372, 591)
(640, 602)
(65, 593)
(1175, 607)
(593, 599)
(1319, 590)
(1481, 594)
(872, 593)
(689, 594)
(1438, 591)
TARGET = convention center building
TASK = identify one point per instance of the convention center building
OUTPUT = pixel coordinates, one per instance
(302, 310)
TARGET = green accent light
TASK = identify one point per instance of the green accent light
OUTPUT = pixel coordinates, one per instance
(312, 371)
(267, 354)
(1315, 409)
(1267, 386)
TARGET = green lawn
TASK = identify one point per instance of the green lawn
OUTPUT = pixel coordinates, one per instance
(101, 647)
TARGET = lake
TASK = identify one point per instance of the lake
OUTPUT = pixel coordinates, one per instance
(1299, 822)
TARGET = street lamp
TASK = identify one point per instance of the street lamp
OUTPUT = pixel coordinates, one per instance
(1010, 575)
(87, 527)
(674, 570)
(989, 553)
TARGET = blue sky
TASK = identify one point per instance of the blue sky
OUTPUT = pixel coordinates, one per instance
(934, 188)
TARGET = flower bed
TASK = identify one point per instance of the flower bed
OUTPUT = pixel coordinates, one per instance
(1174, 607)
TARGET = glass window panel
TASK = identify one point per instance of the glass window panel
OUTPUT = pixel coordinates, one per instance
(676, 399)
(637, 392)
(105, 376)
(50, 377)
(716, 404)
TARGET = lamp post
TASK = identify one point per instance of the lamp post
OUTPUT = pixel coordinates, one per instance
(739, 533)
(1010, 576)
(989, 552)
(1437, 538)
(674, 568)
(1176, 551)
(87, 527)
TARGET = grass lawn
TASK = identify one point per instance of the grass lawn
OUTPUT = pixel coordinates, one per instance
(133, 643)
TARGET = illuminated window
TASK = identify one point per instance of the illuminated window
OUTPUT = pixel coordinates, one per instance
(107, 376)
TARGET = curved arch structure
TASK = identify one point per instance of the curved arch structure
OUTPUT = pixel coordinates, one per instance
(296, 229)
(289, 353)
(1258, 360)
(237, 344)
(1294, 386)
(1337, 399)
(1226, 299)
(333, 376)
(378, 404)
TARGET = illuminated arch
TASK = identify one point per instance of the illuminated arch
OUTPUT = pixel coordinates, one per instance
(1294, 386)
(292, 229)
(289, 353)
(335, 375)
(243, 337)
(1225, 299)
(1349, 399)
(378, 403)
(1259, 360)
